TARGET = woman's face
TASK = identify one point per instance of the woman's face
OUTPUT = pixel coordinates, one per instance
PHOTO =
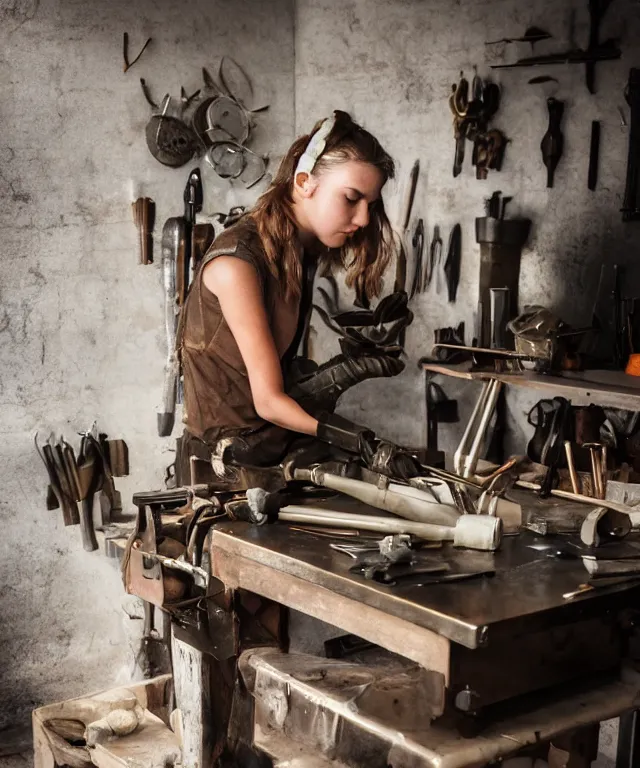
(337, 201)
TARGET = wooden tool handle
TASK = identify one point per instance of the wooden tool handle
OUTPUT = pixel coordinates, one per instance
(87, 532)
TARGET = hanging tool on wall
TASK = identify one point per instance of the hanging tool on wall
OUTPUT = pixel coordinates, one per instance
(472, 109)
(169, 139)
(184, 243)
(458, 103)
(452, 264)
(173, 243)
(87, 480)
(532, 35)
(594, 52)
(401, 263)
(553, 141)
(193, 199)
(433, 259)
(417, 242)
(125, 51)
(631, 204)
(597, 9)
(61, 494)
(90, 477)
(605, 52)
(594, 155)
(144, 211)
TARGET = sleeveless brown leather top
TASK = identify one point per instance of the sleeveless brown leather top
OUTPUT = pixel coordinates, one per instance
(217, 395)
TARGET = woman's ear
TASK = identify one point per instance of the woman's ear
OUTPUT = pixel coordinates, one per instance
(305, 184)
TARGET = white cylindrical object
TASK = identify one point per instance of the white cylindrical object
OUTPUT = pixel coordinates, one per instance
(410, 503)
(294, 513)
(482, 532)
(471, 531)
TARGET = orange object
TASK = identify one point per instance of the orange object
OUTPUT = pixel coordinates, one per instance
(633, 365)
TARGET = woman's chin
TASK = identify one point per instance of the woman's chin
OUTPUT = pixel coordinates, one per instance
(336, 240)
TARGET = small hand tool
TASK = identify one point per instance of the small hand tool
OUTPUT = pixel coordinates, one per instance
(594, 154)
(143, 217)
(595, 450)
(417, 241)
(452, 264)
(434, 258)
(401, 263)
(575, 485)
(89, 479)
(553, 140)
(631, 203)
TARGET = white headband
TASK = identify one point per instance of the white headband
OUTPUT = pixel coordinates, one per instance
(315, 147)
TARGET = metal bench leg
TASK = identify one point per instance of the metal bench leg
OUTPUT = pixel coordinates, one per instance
(628, 753)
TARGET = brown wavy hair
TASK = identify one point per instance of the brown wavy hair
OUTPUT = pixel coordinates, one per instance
(369, 250)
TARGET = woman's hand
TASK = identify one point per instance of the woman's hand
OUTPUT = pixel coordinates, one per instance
(236, 285)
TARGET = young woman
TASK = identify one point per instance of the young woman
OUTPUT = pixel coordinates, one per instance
(247, 305)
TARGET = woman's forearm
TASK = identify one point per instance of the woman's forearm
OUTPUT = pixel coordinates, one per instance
(283, 410)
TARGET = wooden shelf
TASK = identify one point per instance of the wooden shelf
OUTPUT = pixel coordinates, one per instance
(611, 389)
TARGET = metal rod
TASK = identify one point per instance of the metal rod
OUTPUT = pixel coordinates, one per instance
(461, 450)
(294, 513)
(471, 460)
(450, 477)
(581, 498)
(572, 467)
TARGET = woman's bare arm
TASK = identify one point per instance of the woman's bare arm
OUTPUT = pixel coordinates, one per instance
(237, 287)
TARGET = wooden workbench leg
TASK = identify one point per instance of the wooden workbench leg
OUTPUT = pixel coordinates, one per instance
(577, 749)
(191, 680)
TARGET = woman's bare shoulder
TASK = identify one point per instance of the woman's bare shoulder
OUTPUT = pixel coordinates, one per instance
(226, 273)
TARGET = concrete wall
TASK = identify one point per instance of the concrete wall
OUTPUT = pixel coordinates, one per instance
(81, 324)
(391, 65)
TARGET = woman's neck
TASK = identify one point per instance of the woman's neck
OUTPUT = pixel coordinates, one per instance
(307, 237)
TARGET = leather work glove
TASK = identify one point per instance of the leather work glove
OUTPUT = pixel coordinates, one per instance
(321, 389)
(379, 455)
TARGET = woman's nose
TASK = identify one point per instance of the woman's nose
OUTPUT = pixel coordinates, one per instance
(361, 219)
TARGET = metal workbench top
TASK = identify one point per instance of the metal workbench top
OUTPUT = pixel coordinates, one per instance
(526, 592)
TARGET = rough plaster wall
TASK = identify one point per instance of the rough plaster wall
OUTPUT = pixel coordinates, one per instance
(81, 324)
(391, 65)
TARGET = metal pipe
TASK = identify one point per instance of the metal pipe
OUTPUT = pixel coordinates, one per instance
(572, 467)
(294, 513)
(470, 531)
(404, 501)
(461, 450)
(471, 460)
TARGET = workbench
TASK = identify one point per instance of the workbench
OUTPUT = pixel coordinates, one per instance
(501, 627)
(470, 672)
